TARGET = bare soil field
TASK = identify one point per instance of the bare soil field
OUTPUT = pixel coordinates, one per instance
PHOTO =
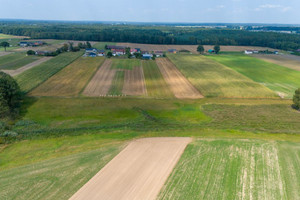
(138, 172)
(134, 82)
(27, 67)
(178, 84)
(102, 81)
(290, 61)
(191, 48)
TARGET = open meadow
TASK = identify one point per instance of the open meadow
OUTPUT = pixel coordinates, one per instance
(215, 80)
(282, 80)
(71, 80)
(33, 77)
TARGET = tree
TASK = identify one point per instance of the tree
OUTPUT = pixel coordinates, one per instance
(88, 45)
(296, 99)
(153, 57)
(30, 52)
(109, 54)
(4, 44)
(10, 96)
(65, 48)
(200, 49)
(217, 49)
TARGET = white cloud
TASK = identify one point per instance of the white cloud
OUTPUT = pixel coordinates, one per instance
(273, 6)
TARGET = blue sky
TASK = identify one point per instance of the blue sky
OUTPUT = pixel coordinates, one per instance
(199, 11)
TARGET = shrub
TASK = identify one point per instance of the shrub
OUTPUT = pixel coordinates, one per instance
(30, 52)
(296, 99)
(9, 134)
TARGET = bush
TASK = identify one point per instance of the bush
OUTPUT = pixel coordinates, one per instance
(296, 99)
(9, 134)
(30, 52)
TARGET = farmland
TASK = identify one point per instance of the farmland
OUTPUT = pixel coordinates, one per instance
(125, 64)
(155, 83)
(37, 75)
(215, 80)
(282, 80)
(15, 60)
(117, 84)
(71, 80)
(290, 61)
(235, 169)
(179, 85)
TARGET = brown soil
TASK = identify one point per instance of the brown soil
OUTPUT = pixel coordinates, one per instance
(290, 61)
(102, 81)
(178, 84)
(134, 82)
(138, 172)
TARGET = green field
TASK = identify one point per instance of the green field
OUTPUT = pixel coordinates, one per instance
(101, 45)
(155, 83)
(16, 60)
(280, 79)
(236, 169)
(57, 178)
(117, 84)
(71, 80)
(125, 63)
(32, 78)
(215, 80)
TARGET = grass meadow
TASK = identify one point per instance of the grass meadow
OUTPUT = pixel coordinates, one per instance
(235, 169)
(71, 80)
(281, 80)
(155, 83)
(16, 60)
(215, 80)
(33, 77)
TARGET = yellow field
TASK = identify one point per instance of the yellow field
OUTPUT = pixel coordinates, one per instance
(71, 80)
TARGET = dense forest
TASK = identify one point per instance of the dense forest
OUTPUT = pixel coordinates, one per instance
(149, 34)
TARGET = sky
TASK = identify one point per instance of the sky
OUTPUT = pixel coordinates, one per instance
(192, 11)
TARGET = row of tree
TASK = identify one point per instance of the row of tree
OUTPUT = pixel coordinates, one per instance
(151, 35)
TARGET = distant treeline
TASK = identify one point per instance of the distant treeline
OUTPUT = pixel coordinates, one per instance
(150, 34)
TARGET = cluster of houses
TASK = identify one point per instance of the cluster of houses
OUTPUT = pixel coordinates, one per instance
(121, 50)
(249, 52)
(32, 44)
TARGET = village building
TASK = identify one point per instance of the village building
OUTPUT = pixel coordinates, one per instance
(172, 50)
(159, 53)
(147, 56)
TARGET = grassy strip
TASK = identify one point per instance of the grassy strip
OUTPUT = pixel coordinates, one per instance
(155, 83)
(234, 169)
(280, 79)
(58, 178)
(215, 80)
(16, 64)
(117, 84)
(32, 78)
(125, 63)
(71, 80)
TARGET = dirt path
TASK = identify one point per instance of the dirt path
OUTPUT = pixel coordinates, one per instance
(27, 67)
(102, 81)
(138, 172)
(4, 53)
(178, 84)
(134, 82)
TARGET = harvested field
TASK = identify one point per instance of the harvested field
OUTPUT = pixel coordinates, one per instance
(235, 169)
(134, 83)
(125, 63)
(178, 84)
(27, 67)
(138, 172)
(191, 48)
(155, 83)
(290, 61)
(102, 81)
(216, 80)
(71, 80)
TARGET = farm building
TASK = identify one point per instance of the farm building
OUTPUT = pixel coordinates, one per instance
(159, 53)
(211, 51)
(92, 52)
(92, 55)
(118, 52)
(41, 53)
(101, 53)
(31, 44)
(172, 50)
(248, 52)
(147, 56)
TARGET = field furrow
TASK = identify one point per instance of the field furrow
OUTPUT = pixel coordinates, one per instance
(178, 84)
(134, 82)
